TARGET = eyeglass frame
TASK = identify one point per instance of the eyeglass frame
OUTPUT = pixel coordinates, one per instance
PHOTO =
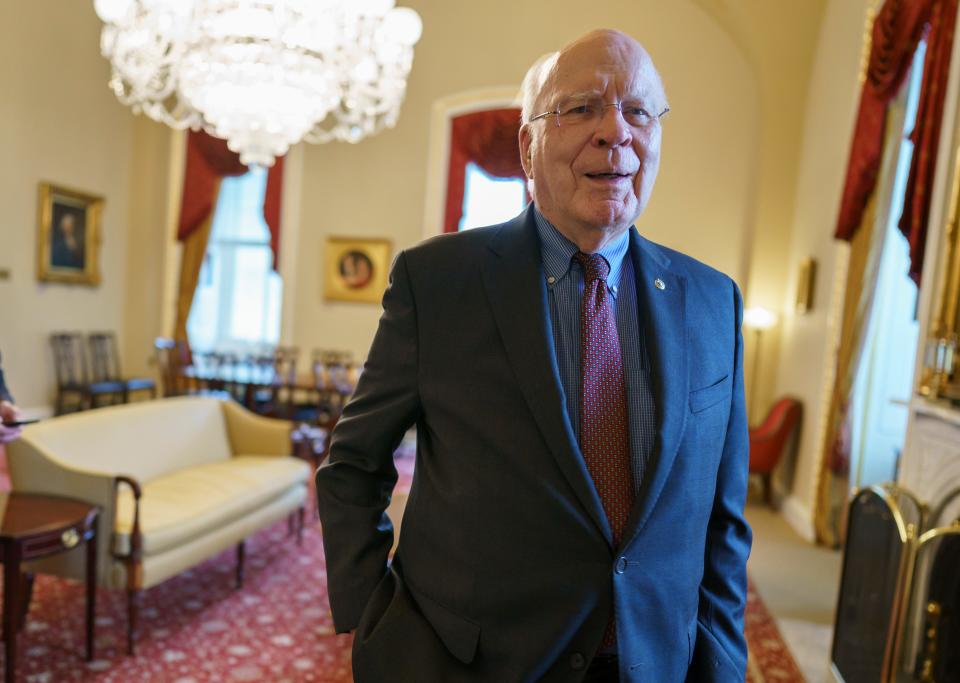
(617, 105)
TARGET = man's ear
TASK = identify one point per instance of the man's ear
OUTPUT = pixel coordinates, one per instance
(525, 139)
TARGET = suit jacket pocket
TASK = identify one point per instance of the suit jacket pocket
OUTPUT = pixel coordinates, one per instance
(691, 641)
(383, 601)
(701, 399)
(711, 663)
(398, 619)
(459, 635)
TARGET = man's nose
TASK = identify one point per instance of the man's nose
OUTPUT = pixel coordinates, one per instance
(612, 130)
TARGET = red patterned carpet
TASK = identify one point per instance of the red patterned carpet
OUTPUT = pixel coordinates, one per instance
(770, 660)
(196, 627)
(277, 629)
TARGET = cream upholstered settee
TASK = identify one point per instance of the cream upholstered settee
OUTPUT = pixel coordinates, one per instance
(177, 481)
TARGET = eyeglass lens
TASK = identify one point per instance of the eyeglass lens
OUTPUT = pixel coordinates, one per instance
(575, 111)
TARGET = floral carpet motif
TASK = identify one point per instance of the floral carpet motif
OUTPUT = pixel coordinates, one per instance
(197, 628)
(770, 659)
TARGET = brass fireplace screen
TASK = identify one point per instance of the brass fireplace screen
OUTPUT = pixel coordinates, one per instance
(898, 612)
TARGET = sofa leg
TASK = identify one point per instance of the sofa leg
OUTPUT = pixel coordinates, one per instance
(300, 511)
(133, 600)
(241, 554)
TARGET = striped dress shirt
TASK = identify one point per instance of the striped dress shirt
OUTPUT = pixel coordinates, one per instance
(564, 278)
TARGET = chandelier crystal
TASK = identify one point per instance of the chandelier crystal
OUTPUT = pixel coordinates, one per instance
(262, 74)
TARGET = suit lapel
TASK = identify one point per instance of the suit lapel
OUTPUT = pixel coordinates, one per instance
(514, 283)
(662, 311)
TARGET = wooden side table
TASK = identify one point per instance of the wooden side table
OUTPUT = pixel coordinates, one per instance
(34, 526)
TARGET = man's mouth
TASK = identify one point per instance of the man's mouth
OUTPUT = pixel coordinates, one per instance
(607, 176)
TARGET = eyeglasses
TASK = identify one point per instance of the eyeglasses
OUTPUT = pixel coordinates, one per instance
(578, 111)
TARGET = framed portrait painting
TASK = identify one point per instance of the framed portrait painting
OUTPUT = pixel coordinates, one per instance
(355, 269)
(68, 236)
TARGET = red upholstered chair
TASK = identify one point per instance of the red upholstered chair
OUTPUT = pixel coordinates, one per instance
(770, 439)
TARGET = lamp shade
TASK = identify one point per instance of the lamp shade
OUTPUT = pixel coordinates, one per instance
(759, 318)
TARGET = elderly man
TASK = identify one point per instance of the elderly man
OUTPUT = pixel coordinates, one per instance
(577, 508)
(8, 412)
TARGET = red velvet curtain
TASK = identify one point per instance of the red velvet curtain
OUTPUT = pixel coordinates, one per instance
(271, 207)
(490, 140)
(926, 132)
(897, 29)
(208, 160)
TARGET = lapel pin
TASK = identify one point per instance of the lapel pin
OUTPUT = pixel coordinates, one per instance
(659, 284)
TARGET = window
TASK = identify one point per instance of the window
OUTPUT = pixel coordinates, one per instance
(883, 384)
(488, 200)
(485, 179)
(237, 302)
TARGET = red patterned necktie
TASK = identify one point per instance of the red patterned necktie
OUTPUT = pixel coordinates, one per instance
(604, 435)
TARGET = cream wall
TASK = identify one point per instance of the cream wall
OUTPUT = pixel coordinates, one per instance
(58, 123)
(153, 188)
(725, 193)
(703, 200)
(808, 341)
(780, 41)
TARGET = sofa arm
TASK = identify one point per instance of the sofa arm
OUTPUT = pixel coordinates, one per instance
(252, 434)
(35, 470)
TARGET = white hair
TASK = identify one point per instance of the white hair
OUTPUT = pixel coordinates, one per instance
(533, 84)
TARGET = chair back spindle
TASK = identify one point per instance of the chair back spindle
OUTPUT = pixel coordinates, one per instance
(169, 362)
(104, 359)
(70, 363)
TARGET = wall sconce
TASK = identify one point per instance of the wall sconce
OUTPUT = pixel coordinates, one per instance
(806, 281)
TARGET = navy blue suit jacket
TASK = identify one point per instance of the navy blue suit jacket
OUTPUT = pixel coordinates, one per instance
(505, 568)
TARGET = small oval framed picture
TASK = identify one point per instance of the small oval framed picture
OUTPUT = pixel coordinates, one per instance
(355, 269)
(68, 236)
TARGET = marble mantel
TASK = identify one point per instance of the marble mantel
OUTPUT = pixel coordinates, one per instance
(930, 463)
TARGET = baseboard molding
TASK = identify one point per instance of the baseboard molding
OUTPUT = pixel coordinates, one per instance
(799, 517)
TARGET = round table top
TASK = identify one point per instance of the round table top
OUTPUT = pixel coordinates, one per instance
(23, 515)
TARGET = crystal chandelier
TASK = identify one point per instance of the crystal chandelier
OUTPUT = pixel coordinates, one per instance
(262, 74)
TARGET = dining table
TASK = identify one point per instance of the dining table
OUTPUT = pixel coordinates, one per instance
(245, 380)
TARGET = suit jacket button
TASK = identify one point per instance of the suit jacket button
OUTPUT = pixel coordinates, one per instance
(621, 566)
(577, 661)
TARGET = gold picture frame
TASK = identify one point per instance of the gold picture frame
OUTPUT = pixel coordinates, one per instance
(806, 280)
(355, 269)
(68, 236)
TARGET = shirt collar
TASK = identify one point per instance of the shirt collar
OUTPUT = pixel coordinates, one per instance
(556, 253)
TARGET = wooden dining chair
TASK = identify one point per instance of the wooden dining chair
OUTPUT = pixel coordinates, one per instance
(74, 382)
(105, 365)
(224, 375)
(285, 360)
(334, 375)
(332, 357)
(172, 362)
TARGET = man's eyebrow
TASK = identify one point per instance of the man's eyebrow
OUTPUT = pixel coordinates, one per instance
(645, 96)
(582, 93)
(579, 95)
